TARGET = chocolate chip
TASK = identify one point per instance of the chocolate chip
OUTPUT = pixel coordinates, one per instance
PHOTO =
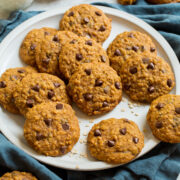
(65, 126)
(151, 89)
(39, 136)
(169, 82)
(21, 71)
(123, 131)
(71, 14)
(117, 52)
(86, 20)
(102, 28)
(152, 49)
(97, 132)
(117, 85)
(159, 106)
(159, 125)
(135, 48)
(63, 149)
(79, 57)
(131, 35)
(50, 94)
(177, 110)
(150, 66)
(126, 86)
(46, 61)
(88, 71)
(105, 104)
(59, 106)
(98, 82)
(36, 88)
(89, 43)
(98, 13)
(48, 122)
(55, 38)
(111, 143)
(46, 33)
(88, 96)
(133, 70)
(145, 60)
(106, 89)
(2, 84)
(142, 48)
(73, 41)
(126, 120)
(135, 140)
(32, 47)
(103, 59)
(56, 84)
(30, 103)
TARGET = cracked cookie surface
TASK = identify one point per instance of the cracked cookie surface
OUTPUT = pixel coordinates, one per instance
(37, 88)
(30, 43)
(146, 77)
(164, 118)
(87, 20)
(95, 88)
(47, 53)
(8, 84)
(79, 51)
(128, 44)
(51, 128)
(115, 141)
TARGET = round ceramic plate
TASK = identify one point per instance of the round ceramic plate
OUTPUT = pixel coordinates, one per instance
(79, 158)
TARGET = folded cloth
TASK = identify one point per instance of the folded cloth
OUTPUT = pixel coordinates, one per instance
(162, 163)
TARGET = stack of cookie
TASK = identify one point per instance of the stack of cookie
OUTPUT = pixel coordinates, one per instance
(74, 56)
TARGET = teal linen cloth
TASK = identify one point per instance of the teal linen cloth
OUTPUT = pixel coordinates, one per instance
(162, 163)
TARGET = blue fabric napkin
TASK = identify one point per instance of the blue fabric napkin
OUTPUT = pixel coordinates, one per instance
(162, 163)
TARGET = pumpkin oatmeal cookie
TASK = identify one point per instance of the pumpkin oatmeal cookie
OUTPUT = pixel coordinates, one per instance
(115, 141)
(164, 118)
(51, 128)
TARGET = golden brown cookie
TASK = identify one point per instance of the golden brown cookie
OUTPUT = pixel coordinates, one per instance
(162, 1)
(30, 43)
(128, 44)
(95, 88)
(164, 118)
(79, 51)
(87, 20)
(146, 77)
(47, 53)
(51, 128)
(37, 88)
(8, 84)
(16, 175)
(115, 141)
(126, 2)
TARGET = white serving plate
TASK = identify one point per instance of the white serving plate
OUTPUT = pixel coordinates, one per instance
(12, 125)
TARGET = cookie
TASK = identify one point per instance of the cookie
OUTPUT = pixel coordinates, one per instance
(30, 43)
(146, 77)
(126, 2)
(51, 128)
(8, 84)
(79, 51)
(87, 20)
(164, 118)
(95, 88)
(115, 141)
(47, 53)
(128, 44)
(37, 88)
(16, 175)
(162, 1)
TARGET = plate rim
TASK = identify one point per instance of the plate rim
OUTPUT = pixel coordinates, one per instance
(111, 11)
